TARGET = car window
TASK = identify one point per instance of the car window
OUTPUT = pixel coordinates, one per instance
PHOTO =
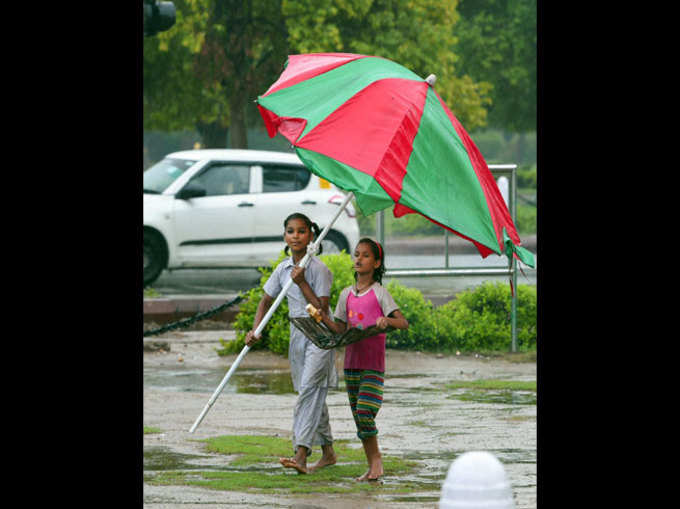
(159, 176)
(221, 179)
(278, 179)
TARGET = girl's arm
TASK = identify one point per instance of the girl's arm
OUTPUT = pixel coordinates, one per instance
(265, 303)
(298, 277)
(338, 327)
(395, 319)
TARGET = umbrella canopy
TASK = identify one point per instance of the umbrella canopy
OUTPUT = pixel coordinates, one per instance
(373, 127)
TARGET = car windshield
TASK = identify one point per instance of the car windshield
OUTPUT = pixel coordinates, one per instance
(159, 176)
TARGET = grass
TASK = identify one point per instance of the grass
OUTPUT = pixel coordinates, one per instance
(151, 429)
(255, 468)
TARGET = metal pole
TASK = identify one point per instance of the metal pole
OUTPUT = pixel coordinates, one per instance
(380, 227)
(433, 272)
(513, 263)
(313, 248)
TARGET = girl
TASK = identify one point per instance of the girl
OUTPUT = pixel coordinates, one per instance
(312, 369)
(362, 305)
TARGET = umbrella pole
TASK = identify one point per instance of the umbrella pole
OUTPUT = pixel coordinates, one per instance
(313, 248)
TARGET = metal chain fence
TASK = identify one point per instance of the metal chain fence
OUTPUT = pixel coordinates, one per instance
(186, 322)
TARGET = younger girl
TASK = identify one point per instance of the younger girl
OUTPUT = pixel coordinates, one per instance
(364, 304)
(312, 369)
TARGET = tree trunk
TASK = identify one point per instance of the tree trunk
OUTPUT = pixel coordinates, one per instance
(213, 135)
(239, 135)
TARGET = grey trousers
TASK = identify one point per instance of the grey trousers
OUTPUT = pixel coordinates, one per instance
(313, 372)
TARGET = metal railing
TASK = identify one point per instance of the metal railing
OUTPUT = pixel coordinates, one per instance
(511, 271)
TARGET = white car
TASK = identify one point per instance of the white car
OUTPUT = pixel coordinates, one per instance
(225, 208)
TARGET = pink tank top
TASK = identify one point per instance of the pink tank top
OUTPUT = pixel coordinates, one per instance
(369, 353)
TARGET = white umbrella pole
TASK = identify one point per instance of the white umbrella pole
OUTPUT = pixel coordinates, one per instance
(258, 331)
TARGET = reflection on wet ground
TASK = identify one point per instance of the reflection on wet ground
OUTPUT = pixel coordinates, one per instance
(421, 420)
(181, 378)
(162, 458)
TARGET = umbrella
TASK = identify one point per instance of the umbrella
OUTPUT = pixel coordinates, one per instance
(378, 130)
(382, 133)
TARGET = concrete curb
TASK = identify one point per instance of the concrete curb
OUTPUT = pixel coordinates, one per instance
(170, 309)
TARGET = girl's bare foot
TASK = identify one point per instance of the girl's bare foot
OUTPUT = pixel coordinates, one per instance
(363, 477)
(324, 461)
(372, 475)
(374, 458)
(375, 472)
(292, 463)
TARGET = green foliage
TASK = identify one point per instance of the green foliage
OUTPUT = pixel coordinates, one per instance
(275, 336)
(527, 177)
(496, 43)
(205, 70)
(151, 293)
(218, 56)
(479, 319)
(476, 320)
(341, 267)
(418, 311)
(526, 218)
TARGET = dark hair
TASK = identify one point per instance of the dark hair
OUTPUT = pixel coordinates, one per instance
(378, 254)
(311, 225)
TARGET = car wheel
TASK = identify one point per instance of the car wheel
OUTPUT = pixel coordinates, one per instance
(334, 242)
(153, 257)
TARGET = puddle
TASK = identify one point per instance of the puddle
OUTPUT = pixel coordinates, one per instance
(263, 382)
(179, 378)
(502, 397)
(420, 500)
(162, 458)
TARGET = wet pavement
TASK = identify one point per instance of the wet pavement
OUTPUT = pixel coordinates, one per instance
(420, 420)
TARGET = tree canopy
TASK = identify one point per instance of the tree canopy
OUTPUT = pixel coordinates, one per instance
(497, 45)
(205, 71)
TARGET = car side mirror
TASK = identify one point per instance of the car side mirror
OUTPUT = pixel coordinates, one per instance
(191, 190)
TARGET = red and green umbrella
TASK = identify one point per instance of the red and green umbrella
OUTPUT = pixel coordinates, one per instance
(375, 128)
(379, 131)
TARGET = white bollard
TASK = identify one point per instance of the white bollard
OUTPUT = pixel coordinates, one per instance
(476, 479)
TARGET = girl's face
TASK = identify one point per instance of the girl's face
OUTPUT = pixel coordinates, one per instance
(297, 235)
(364, 259)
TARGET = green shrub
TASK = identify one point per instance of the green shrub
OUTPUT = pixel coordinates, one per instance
(341, 267)
(419, 312)
(479, 319)
(527, 177)
(271, 335)
(276, 334)
(526, 219)
(476, 320)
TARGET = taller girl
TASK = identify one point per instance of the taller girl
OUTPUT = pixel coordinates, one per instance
(362, 305)
(312, 369)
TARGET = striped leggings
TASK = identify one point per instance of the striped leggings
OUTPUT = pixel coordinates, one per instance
(365, 391)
